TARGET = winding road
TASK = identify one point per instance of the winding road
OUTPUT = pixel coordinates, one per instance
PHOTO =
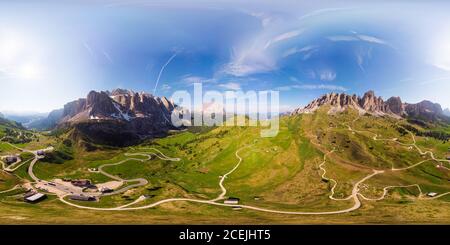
(355, 195)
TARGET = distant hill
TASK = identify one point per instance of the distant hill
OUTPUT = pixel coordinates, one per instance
(48, 122)
(10, 124)
(24, 118)
(447, 112)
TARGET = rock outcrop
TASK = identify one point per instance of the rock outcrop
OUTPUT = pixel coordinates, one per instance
(425, 110)
(395, 105)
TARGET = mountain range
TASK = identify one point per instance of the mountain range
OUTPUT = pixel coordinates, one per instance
(371, 104)
(120, 117)
(124, 117)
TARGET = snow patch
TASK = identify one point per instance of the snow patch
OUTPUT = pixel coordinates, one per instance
(121, 114)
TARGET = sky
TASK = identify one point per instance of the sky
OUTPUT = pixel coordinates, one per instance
(53, 52)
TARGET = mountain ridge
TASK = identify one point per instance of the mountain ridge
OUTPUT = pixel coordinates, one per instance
(120, 117)
(371, 104)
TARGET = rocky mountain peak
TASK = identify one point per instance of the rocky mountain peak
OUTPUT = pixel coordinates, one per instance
(425, 109)
(395, 105)
(120, 91)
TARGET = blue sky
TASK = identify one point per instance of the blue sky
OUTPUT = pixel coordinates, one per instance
(52, 53)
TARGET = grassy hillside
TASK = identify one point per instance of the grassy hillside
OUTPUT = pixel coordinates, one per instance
(280, 173)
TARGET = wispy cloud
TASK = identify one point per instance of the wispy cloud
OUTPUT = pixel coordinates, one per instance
(265, 18)
(307, 49)
(231, 86)
(283, 37)
(323, 87)
(355, 37)
(362, 55)
(312, 87)
(165, 87)
(322, 11)
(342, 38)
(108, 57)
(88, 48)
(255, 56)
(249, 60)
(327, 75)
(442, 65)
(371, 39)
(189, 79)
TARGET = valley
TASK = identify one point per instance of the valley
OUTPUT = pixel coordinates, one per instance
(320, 168)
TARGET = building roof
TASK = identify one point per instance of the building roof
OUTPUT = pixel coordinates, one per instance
(35, 197)
(81, 198)
(11, 158)
(232, 199)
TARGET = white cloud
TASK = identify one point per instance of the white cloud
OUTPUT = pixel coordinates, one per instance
(358, 38)
(294, 79)
(283, 37)
(165, 87)
(265, 18)
(255, 57)
(285, 88)
(88, 48)
(361, 56)
(342, 38)
(197, 79)
(307, 49)
(309, 54)
(250, 60)
(371, 39)
(312, 87)
(327, 75)
(108, 57)
(322, 11)
(231, 86)
(243, 69)
(322, 86)
(443, 65)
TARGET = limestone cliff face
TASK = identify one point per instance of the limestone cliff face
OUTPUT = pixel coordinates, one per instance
(395, 105)
(426, 110)
(369, 103)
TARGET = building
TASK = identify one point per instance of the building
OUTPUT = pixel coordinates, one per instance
(231, 200)
(432, 194)
(106, 190)
(40, 153)
(35, 197)
(82, 198)
(81, 183)
(11, 159)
